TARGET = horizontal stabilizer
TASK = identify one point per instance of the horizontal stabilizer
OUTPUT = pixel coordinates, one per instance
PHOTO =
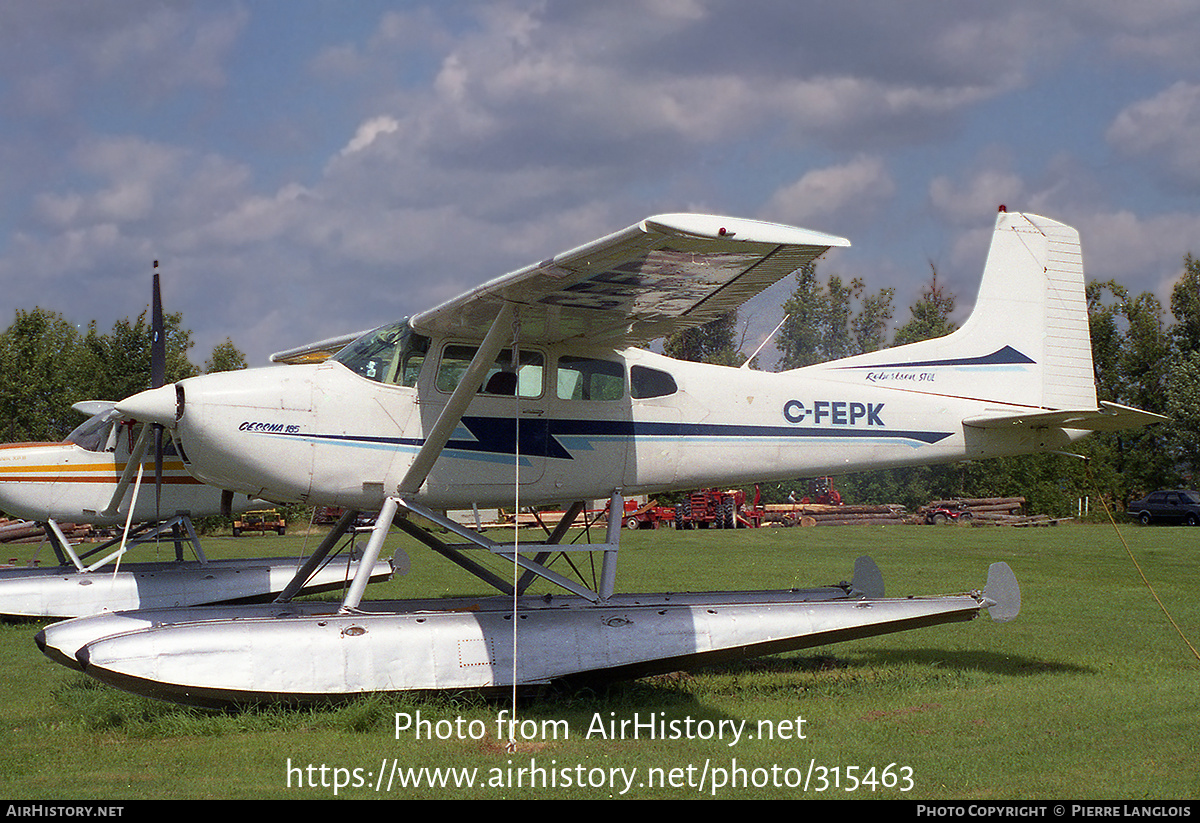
(1109, 417)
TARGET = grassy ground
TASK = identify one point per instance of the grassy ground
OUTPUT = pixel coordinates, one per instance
(1090, 693)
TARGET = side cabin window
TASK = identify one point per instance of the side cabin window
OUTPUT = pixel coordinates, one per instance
(501, 379)
(389, 354)
(588, 378)
(646, 382)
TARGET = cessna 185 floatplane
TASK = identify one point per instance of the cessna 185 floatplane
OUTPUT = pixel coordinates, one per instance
(530, 386)
(96, 477)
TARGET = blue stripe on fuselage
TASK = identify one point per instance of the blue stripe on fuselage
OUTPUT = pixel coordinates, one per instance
(550, 438)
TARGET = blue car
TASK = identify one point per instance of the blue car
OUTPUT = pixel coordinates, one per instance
(1173, 506)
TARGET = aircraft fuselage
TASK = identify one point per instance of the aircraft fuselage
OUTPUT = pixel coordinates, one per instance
(586, 422)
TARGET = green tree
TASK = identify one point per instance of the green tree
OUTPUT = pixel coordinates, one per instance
(1185, 308)
(1181, 382)
(1144, 353)
(120, 360)
(1132, 356)
(869, 326)
(711, 343)
(46, 365)
(41, 370)
(1104, 301)
(930, 315)
(1182, 390)
(225, 357)
(831, 320)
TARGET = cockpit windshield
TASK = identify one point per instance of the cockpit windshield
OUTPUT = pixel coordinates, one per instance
(96, 433)
(390, 354)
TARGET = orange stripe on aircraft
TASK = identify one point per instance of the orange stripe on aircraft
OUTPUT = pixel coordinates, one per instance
(87, 467)
(91, 478)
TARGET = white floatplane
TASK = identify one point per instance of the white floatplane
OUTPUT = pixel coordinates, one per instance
(94, 477)
(531, 386)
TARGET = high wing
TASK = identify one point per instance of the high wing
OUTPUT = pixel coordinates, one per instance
(667, 273)
(316, 352)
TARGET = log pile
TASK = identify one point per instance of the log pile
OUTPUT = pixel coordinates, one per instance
(984, 508)
(816, 514)
(26, 531)
(1033, 520)
(992, 511)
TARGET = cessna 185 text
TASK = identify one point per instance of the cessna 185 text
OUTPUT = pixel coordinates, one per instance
(532, 385)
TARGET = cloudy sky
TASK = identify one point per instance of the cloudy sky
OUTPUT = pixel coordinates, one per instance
(309, 168)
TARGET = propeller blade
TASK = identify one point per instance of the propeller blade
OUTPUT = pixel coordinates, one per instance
(158, 470)
(158, 341)
(158, 377)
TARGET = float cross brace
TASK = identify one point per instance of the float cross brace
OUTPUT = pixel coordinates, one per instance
(179, 527)
(533, 566)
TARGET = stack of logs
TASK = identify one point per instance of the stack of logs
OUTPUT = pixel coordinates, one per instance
(987, 510)
(26, 531)
(1006, 511)
(816, 514)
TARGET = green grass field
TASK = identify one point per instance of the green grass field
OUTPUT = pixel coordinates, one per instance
(1090, 693)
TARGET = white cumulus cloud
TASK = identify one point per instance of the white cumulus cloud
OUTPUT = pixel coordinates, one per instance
(369, 131)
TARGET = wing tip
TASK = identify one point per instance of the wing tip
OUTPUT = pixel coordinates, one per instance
(718, 227)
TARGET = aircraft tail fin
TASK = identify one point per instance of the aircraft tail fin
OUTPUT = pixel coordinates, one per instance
(1026, 342)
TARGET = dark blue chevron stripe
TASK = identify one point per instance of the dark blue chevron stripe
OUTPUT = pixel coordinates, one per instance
(1006, 356)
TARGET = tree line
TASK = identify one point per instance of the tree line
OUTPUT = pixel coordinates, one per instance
(1144, 355)
(48, 363)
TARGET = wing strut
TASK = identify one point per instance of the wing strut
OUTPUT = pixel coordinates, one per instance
(136, 454)
(463, 394)
(434, 443)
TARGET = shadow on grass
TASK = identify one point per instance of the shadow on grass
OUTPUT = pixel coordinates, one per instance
(975, 661)
(876, 660)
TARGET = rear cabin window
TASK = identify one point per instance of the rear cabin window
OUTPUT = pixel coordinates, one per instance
(588, 378)
(501, 379)
(646, 382)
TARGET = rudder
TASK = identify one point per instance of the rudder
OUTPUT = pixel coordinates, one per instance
(1026, 342)
(1032, 297)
